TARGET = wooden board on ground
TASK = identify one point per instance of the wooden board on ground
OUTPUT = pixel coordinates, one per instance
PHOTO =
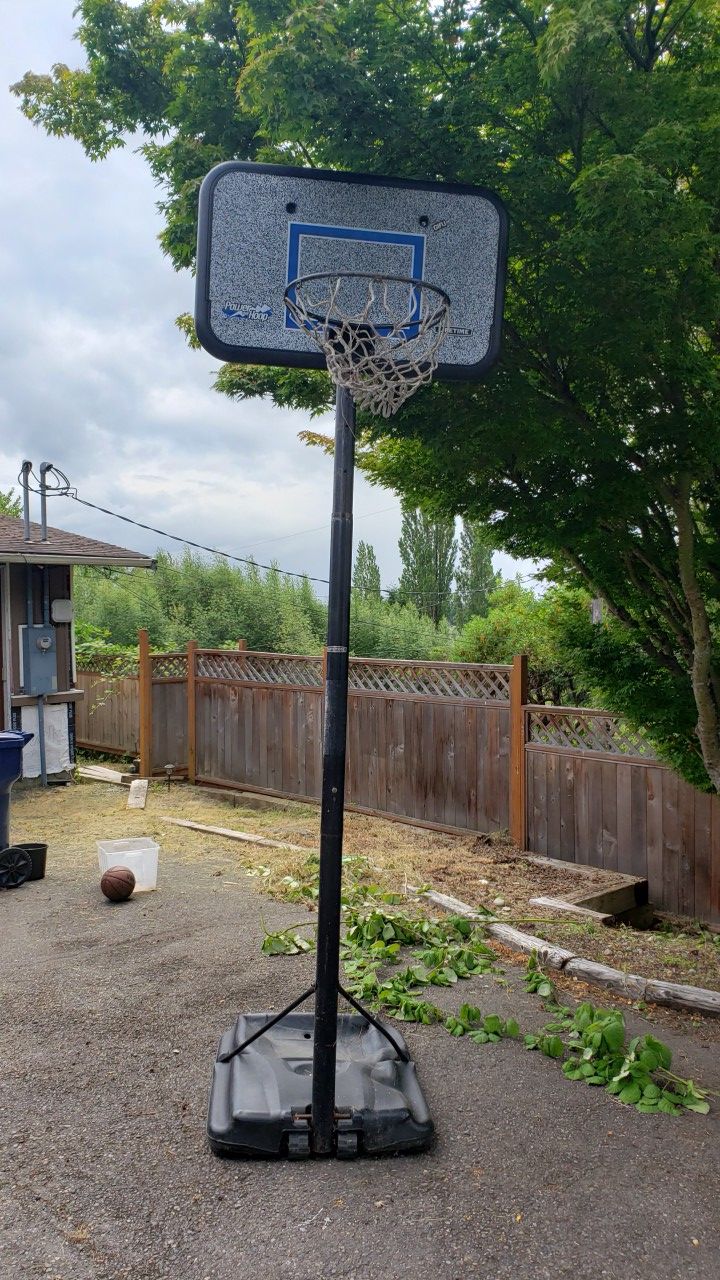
(248, 799)
(100, 773)
(246, 837)
(138, 793)
(573, 909)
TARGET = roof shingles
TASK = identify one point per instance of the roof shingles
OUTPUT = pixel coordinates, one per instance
(61, 547)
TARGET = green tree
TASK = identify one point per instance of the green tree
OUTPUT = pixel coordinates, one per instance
(10, 503)
(379, 629)
(427, 551)
(595, 443)
(366, 574)
(548, 628)
(475, 577)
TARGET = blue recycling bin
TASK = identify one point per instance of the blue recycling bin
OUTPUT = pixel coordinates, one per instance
(12, 743)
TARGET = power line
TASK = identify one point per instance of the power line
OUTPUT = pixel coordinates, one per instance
(228, 555)
(284, 537)
(64, 489)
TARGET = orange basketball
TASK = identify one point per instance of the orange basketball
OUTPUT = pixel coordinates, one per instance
(117, 883)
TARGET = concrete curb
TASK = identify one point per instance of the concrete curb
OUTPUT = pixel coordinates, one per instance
(674, 994)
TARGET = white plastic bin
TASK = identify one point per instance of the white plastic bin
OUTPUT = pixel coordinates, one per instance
(139, 854)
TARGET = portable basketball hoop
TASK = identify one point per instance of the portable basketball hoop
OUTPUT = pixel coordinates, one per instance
(382, 351)
(325, 291)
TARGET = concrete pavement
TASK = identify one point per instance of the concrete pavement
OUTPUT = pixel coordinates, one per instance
(109, 1025)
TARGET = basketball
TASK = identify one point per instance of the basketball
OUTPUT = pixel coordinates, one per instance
(117, 883)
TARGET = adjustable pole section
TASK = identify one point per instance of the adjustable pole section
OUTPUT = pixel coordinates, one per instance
(333, 782)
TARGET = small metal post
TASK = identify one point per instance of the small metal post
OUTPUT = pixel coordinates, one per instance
(333, 781)
(25, 472)
(44, 468)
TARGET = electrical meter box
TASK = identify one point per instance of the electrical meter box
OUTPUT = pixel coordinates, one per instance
(39, 659)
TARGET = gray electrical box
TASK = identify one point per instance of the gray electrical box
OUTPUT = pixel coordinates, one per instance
(39, 659)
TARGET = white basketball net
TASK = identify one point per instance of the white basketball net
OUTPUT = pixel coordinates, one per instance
(380, 335)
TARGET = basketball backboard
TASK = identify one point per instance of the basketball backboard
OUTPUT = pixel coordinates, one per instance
(263, 226)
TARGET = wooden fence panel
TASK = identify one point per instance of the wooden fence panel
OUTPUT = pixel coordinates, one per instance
(260, 737)
(169, 725)
(425, 759)
(631, 816)
(107, 717)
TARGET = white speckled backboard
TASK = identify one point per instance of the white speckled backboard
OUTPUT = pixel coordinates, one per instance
(262, 226)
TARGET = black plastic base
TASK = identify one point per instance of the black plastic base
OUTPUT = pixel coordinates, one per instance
(260, 1099)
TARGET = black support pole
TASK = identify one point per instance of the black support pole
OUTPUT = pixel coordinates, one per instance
(333, 781)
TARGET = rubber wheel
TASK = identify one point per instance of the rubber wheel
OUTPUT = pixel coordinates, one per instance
(298, 1146)
(15, 867)
(347, 1146)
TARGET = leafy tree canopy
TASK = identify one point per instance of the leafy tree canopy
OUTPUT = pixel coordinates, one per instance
(10, 503)
(595, 442)
(218, 604)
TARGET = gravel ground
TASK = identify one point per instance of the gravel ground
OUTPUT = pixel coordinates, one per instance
(111, 1016)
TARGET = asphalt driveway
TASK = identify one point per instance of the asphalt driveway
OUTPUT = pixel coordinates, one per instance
(109, 1022)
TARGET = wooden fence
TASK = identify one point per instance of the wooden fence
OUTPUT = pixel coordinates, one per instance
(426, 741)
(454, 746)
(107, 717)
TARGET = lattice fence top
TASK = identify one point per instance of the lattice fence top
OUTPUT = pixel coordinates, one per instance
(581, 730)
(439, 680)
(276, 668)
(168, 666)
(109, 664)
(435, 680)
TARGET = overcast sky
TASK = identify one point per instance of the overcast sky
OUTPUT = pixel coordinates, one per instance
(95, 377)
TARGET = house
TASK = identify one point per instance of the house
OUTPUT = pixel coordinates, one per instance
(37, 635)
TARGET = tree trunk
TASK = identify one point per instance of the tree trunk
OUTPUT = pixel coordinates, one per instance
(703, 675)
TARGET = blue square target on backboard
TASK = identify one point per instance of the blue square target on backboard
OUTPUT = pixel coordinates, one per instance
(263, 226)
(313, 247)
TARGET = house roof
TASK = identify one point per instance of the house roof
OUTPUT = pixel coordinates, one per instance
(61, 547)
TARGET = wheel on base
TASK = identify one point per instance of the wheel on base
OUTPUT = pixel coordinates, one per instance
(347, 1146)
(299, 1146)
(15, 867)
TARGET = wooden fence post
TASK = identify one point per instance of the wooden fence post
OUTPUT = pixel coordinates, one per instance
(518, 768)
(192, 720)
(242, 646)
(145, 700)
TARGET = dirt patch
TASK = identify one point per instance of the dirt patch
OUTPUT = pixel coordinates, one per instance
(674, 951)
(481, 868)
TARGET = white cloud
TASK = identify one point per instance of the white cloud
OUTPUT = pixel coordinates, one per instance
(95, 376)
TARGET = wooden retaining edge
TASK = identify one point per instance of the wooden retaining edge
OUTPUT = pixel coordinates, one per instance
(675, 994)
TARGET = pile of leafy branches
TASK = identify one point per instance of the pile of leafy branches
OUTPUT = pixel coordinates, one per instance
(593, 1046)
(592, 1043)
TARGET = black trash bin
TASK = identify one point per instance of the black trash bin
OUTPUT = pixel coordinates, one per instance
(12, 743)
